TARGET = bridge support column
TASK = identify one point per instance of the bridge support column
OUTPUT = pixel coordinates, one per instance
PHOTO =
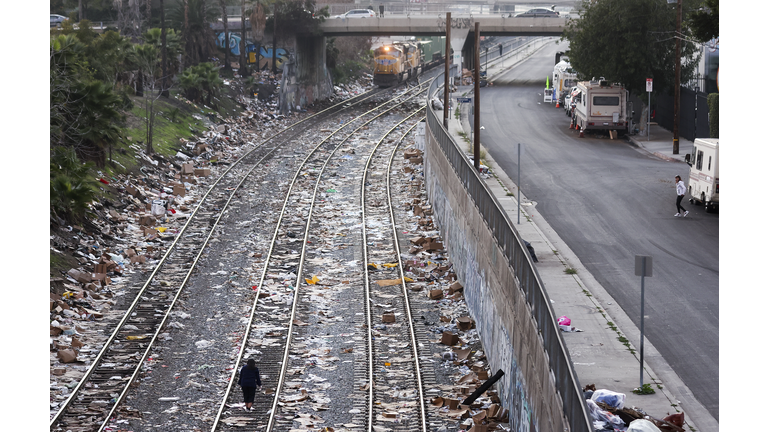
(305, 77)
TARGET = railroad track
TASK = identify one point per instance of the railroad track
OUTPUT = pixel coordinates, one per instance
(396, 391)
(274, 326)
(103, 387)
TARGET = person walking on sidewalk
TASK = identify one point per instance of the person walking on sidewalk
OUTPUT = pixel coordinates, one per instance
(249, 380)
(680, 188)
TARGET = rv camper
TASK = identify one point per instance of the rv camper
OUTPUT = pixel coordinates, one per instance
(704, 176)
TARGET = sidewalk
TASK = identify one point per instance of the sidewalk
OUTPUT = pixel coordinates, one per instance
(600, 354)
(660, 145)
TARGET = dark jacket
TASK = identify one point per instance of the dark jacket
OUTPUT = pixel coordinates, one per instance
(249, 377)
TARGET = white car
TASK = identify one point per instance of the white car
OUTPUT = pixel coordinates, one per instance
(358, 13)
(56, 20)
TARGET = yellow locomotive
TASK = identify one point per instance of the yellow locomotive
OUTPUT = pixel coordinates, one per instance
(396, 63)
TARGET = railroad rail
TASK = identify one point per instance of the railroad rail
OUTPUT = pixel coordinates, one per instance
(294, 225)
(104, 385)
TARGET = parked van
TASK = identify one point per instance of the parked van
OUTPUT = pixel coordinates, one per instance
(704, 176)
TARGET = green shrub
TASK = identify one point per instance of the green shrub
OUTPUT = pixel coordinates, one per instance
(713, 101)
(70, 189)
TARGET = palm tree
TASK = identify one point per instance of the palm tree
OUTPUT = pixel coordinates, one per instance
(243, 66)
(192, 17)
(223, 4)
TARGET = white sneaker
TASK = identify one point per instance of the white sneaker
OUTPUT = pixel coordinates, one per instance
(685, 214)
(677, 214)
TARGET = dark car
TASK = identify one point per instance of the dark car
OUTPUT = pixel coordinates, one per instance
(539, 13)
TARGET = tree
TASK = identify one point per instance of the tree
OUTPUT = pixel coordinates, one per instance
(705, 22)
(227, 65)
(192, 17)
(71, 191)
(628, 41)
(164, 51)
(243, 66)
(173, 44)
(201, 83)
(146, 58)
(84, 112)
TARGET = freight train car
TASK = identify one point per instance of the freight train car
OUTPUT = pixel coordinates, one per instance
(399, 61)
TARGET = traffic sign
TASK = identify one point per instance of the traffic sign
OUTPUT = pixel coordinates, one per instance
(649, 84)
(464, 99)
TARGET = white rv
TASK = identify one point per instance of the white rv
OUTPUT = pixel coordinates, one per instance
(563, 79)
(601, 105)
(704, 176)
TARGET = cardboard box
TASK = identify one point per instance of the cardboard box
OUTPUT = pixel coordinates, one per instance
(613, 134)
(432, 245)
(435, 294)
(416, 160)
(79, 276)
(492, 410)
(465, 323)
(67, 355)
(452, 403)
(482, 375)
(187, 168)
(411, 153)
(449, 339)
(138, 259)
(147, 220)
(479, 428)
(388, 318)
(202, 172)
(456, 286)
(178, 190)
(100, 268)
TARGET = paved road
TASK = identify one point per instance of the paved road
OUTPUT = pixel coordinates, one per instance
(610, 201)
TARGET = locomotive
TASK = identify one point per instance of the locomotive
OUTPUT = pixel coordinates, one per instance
(399, 61)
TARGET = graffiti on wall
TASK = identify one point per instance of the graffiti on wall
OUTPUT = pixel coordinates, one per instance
(456, 23)
(261, 55)
(234, 42)
(264, 56)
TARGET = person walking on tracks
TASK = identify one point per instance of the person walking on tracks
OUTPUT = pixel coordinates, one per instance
(249, 381)
(680, 188)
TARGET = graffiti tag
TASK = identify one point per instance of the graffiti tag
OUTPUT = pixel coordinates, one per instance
(456, 23)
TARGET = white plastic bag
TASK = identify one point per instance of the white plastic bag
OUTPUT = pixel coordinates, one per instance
(642, 425)
(610, 398)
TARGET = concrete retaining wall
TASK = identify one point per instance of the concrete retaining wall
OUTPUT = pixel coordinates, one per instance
(507, 329)
(305, 77)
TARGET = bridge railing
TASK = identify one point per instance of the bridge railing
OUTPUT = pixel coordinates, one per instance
(418, 8)
(509, 241)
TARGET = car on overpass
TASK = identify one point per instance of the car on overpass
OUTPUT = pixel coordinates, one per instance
(357, 13)
(56, 20)
(539, 13)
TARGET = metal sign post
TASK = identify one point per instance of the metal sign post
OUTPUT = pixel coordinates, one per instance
(643, 268)
(649, 89)
(519, 168)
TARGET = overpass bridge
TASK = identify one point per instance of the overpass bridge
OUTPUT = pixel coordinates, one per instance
(305, 77)
(435, 25)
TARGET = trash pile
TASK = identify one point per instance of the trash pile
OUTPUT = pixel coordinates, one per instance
(457, 351)
(132, 231)
(609, 414)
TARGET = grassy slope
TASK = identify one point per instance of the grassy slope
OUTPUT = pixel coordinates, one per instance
(166, 142)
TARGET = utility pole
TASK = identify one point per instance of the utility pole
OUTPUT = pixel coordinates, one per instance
(446, 79)
(678, 42)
